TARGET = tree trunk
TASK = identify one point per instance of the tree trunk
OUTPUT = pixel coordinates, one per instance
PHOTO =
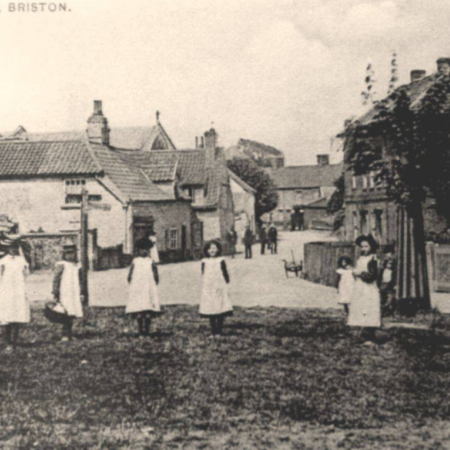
(412, 275)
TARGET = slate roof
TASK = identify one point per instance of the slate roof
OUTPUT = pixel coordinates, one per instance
(27, 159)
(304, 177)
(190, 167)
(416, 90)
(132, 138)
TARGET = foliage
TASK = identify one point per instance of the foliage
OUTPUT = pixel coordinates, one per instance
(336, 202)
(418, 159)
(394, 75)
(280, 379)
(266, 194)
(369, 94)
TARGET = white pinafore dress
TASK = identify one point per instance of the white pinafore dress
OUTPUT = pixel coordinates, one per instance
(214, 299)
(69, 293)
(365, 310)
(346, 285)
(14, 306)
(143, 292)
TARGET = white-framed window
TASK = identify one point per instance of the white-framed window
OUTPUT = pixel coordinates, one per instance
(173, 238)
(372, 180)
(354, 182)
(365, 182)
(196, 193)
(72, 191)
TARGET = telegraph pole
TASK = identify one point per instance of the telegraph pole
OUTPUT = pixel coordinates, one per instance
(84, 244)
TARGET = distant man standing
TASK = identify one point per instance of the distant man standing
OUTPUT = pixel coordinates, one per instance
(232, 239)
(248, 241)
(273, 239)
(263, 239)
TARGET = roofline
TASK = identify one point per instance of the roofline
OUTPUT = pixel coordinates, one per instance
(166, 135)
(240, 181)
(50, 175)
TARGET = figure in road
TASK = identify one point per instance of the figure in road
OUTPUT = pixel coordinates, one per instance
(263, 239)
(346, 282)
(232, 240)
(248, 242)
(273, 239)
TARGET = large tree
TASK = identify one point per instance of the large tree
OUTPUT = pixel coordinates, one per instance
(407, 146)
(266, 194)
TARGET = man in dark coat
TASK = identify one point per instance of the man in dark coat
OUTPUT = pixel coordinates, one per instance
(232, 239)
(248, 241)
(273, 239)
(263, 239)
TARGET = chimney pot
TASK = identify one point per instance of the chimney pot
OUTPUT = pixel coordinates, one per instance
(98, 108)
(202, 142)
(443, 66)
(417, 75)
(196, 141)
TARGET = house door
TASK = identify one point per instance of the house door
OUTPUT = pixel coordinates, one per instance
(142, 227)
(442, 268)
(183, 241)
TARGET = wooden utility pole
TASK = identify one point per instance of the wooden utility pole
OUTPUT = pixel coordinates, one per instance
(84, 245)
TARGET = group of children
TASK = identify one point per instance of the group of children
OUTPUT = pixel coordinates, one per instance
(366, 289)
(143, 279)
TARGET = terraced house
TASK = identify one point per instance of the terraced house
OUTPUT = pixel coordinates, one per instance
(136, 182)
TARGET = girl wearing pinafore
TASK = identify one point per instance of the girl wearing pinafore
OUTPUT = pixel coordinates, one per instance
(66, 288)
(143, 278)
(365, 308)
(14, 306)
(346, 282)
(214, 302)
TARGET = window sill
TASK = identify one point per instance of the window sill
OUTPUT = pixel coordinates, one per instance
(69, 207)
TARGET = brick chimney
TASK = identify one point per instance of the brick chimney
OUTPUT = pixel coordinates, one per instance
(323, 160)
(211, 138)
(417, 75)
(443, 66)
(97, 129)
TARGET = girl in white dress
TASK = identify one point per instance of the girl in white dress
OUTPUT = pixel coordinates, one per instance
(66, 288)
(346, 282)
(365, 310)
(14, 306)
(214, 302)
(143, 278)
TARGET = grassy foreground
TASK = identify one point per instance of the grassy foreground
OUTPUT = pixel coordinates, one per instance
(280, 379)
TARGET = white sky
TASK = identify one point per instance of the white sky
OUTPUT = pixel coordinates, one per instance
(283, 72)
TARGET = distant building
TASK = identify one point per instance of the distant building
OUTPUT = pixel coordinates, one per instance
(244, 205)
(264, 155)
(298, 186)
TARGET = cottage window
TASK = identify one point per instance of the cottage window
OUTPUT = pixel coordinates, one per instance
(363, 218)
(365, 182)
(378, 213)
(73, 190)
(173, 239)
(354, 182)
(372, 180)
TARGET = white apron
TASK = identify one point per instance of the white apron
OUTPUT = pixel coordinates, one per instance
(346, 285)
(14, 307)
(69, 291)
(143, 292)
(214, 298)
(365, 308)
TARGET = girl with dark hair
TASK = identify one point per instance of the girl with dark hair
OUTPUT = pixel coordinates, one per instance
(365, 308)
(14, 306)
(214, 302)
(143, 278)
(346, 282)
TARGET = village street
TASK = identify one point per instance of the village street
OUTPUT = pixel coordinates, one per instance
(260, 281)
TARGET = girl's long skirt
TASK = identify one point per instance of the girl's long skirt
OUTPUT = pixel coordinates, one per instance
(365, 309)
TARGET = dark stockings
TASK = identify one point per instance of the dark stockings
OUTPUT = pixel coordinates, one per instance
(12, 333)
(144, 325)
(216, 324)
(67, 328)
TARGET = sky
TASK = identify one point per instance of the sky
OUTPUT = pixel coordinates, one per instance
(285, 73)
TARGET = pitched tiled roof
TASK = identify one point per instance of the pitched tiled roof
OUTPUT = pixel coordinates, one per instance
(297, 177)
(132, 138)
(25, 159)
(416, 90)
(241, 183)
(130, 180)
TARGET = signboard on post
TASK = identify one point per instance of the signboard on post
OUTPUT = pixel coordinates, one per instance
(84, 244)
(99, 206)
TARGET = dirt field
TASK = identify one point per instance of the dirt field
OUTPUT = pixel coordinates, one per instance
(280, 379)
